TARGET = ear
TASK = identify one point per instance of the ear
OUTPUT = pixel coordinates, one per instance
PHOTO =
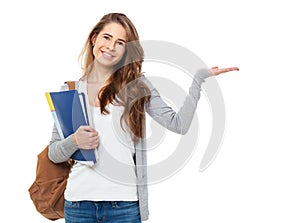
(93, 39)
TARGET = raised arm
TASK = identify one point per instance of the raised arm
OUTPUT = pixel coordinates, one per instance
(180, 121)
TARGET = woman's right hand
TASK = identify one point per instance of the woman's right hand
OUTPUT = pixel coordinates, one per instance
(86, 137)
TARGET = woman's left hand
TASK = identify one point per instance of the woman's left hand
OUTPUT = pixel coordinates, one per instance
(214, 71)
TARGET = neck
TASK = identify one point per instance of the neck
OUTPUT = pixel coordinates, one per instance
(99, 74)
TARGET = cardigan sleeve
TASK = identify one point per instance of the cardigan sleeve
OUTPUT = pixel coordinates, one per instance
(60, 150)
(165, 115)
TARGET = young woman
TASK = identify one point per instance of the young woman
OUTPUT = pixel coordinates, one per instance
(115, 188)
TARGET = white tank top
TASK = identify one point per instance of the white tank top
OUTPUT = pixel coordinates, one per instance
(113, 177)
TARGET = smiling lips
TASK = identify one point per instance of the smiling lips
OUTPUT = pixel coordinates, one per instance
(107, 55)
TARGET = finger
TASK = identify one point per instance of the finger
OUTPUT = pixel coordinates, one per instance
(224, 70)
(93, 134)
(90, 144)
(215, 67)
(90, 129)
(94, 139)
(93, 145)
(88, 132)
(233, 68)
(85, 128)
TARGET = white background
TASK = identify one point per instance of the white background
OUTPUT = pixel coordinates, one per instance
(255, 175)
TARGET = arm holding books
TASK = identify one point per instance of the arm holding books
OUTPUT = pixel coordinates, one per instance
(61, 150)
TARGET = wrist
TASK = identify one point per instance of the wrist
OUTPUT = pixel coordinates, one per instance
(74, 139)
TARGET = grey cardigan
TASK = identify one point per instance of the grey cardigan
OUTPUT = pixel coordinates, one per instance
(179, 122)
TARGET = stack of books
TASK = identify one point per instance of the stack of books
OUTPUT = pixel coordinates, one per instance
(69, 112)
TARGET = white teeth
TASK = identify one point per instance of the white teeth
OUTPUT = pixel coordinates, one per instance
(107, 54)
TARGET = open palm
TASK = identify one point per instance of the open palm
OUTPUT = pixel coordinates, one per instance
(214, 71)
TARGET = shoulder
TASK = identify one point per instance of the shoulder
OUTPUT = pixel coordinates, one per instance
(146, 81)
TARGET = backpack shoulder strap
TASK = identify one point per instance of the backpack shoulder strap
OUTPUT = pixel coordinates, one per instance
(71, 85)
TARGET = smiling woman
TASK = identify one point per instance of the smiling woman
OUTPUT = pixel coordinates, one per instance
(108, 50)
(104, 57)
(119, 95)
(109, 45)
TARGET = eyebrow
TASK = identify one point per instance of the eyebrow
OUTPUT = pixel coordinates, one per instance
(112, 36)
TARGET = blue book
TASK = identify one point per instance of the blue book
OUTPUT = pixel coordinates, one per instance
(71, 112)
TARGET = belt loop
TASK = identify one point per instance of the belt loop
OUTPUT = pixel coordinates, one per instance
(114, 204)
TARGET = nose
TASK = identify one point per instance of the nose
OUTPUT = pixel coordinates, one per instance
(111, 45)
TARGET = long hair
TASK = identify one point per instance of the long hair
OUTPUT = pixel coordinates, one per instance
(122, 87)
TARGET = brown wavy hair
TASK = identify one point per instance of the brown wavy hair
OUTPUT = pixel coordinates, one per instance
(123, 86)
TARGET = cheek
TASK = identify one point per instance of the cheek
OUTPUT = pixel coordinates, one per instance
(96, 49)
(95, 53)
(121, 51)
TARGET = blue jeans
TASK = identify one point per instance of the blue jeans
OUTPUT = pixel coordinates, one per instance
(102, 211)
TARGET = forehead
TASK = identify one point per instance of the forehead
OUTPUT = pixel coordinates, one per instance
(114, 29)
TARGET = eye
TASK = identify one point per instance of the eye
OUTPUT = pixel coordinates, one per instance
(106, 37)
(121, 43)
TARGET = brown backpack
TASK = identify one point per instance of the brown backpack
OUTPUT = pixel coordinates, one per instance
(47, 190)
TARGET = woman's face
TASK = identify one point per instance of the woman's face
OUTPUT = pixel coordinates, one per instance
(109, 44)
